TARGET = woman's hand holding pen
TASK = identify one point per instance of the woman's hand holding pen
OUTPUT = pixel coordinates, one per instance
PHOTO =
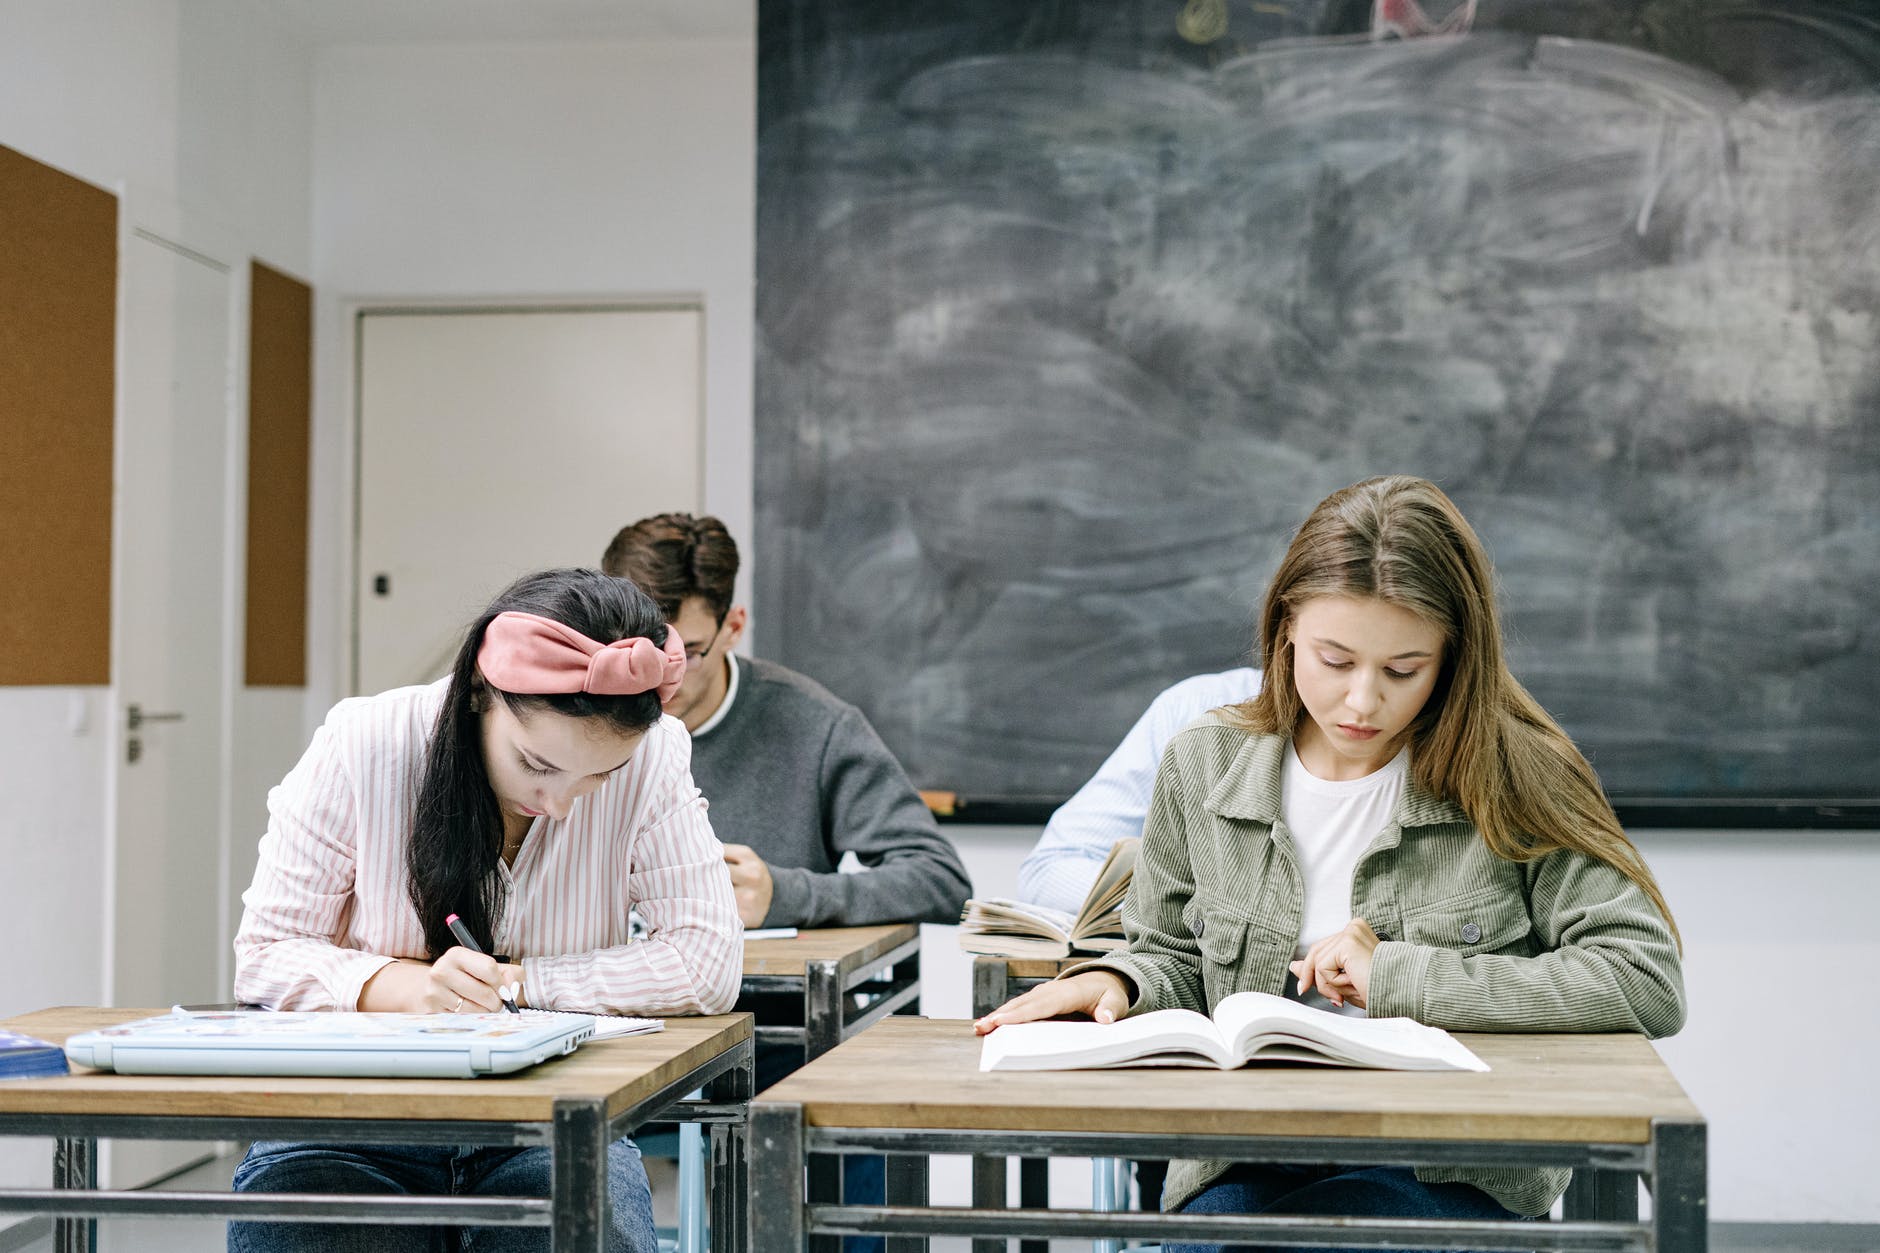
(507, 991)
(1102, 994)
(468, 982)
(458, 982)
(1340, 964)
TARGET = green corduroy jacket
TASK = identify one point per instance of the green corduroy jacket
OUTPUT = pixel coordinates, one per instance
(1470, 942)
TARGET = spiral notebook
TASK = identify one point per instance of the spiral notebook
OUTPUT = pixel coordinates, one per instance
(265, 1042)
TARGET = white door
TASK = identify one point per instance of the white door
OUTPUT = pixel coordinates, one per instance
(169, 636)
(493, 442)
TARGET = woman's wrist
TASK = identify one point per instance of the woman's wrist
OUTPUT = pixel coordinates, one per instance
(1104, 979)
(390, 988)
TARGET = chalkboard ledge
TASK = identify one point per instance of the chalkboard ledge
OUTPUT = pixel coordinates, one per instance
(1635, 813)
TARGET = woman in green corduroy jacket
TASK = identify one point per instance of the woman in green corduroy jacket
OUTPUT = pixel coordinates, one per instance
(1392, 826)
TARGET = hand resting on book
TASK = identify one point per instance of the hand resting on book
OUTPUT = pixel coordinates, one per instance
(1103, 994)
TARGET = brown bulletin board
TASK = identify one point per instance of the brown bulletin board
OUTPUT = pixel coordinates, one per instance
(58, 314)
(280, 393)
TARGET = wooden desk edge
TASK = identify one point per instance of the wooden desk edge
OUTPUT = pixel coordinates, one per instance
(850, 947)
(526, 1096)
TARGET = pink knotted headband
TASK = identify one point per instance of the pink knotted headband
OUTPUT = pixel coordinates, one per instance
(530, 655)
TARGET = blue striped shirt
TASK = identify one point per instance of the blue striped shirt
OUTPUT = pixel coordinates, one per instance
(1111, 806)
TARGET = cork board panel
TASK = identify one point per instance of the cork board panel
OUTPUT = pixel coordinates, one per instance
(58, 313)
(280, 395)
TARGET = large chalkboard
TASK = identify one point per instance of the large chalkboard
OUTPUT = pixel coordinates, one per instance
(1067, 312)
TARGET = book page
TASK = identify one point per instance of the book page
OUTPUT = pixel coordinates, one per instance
(999, 914)
(1166, 1037)
(1102, 909)
(1251, 1022)
(606, 1025)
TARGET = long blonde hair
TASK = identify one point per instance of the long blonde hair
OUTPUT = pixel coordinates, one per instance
(1480, 740)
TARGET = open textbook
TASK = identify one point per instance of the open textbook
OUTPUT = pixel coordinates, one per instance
(1001, 927)
(1245, 1027)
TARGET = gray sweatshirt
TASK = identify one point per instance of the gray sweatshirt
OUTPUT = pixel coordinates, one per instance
(801, 777)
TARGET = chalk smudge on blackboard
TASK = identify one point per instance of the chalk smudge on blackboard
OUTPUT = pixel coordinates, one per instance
(1053, 351)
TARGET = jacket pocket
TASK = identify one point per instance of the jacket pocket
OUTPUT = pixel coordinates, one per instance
(1491, 922)
(1221, 936)
(1238, 953)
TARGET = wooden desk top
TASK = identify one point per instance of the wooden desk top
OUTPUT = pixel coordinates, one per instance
(851, 946)
(1560, 1088)
(621, 1071)
(1036, 967)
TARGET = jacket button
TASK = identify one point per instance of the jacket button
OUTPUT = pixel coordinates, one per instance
(1470, 933)
(1201, 924)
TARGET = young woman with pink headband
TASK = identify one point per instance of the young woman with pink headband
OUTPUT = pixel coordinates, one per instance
(538, 794)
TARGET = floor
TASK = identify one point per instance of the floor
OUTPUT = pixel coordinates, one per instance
(177, 1236)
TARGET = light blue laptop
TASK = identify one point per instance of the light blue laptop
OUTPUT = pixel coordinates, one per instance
(263, 1042)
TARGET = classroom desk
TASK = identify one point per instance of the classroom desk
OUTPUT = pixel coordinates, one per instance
(575, 1105)
(1595, 1193)
(824, 967)
(1571, 1100)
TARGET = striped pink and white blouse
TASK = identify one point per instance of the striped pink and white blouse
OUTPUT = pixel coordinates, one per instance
(329, 907)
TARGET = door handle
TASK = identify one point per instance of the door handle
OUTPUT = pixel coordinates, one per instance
(135, 717)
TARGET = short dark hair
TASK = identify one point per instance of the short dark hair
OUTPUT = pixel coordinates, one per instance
(674, 555)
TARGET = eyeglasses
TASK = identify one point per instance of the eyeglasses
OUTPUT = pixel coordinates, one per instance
(696, 653)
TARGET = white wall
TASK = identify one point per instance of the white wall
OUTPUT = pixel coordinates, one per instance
(202, 104)
(529, 172)
(1778, 1051)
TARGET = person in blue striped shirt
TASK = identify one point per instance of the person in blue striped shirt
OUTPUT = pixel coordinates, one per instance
(1059, 872)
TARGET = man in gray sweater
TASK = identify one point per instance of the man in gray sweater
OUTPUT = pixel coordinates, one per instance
(795, 777)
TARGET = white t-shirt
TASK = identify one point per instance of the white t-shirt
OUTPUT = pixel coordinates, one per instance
(1332, 823)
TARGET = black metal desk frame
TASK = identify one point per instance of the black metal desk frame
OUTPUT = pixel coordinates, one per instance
(841, 996)
(1599, 1192)
(1673, 1161)
(578, 1136)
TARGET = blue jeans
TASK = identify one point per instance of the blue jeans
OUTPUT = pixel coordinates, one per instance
(428, 1170)
(1347, 1191)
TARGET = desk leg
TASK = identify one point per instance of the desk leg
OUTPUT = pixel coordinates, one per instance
(825, 1188)
(992, 984)
(777, 1178)
(822, 1008)
(1034, 1192)
(1680, 1203)
(989, 1193)
(74, 1165)
(731, 1158)
(907, 1185)
(1601, 1196)
(580, 1174)
(822, 1031)
(992, 987)
(730, 1186)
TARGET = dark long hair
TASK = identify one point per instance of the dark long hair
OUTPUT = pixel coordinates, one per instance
(1480, 740)
(457, 830)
